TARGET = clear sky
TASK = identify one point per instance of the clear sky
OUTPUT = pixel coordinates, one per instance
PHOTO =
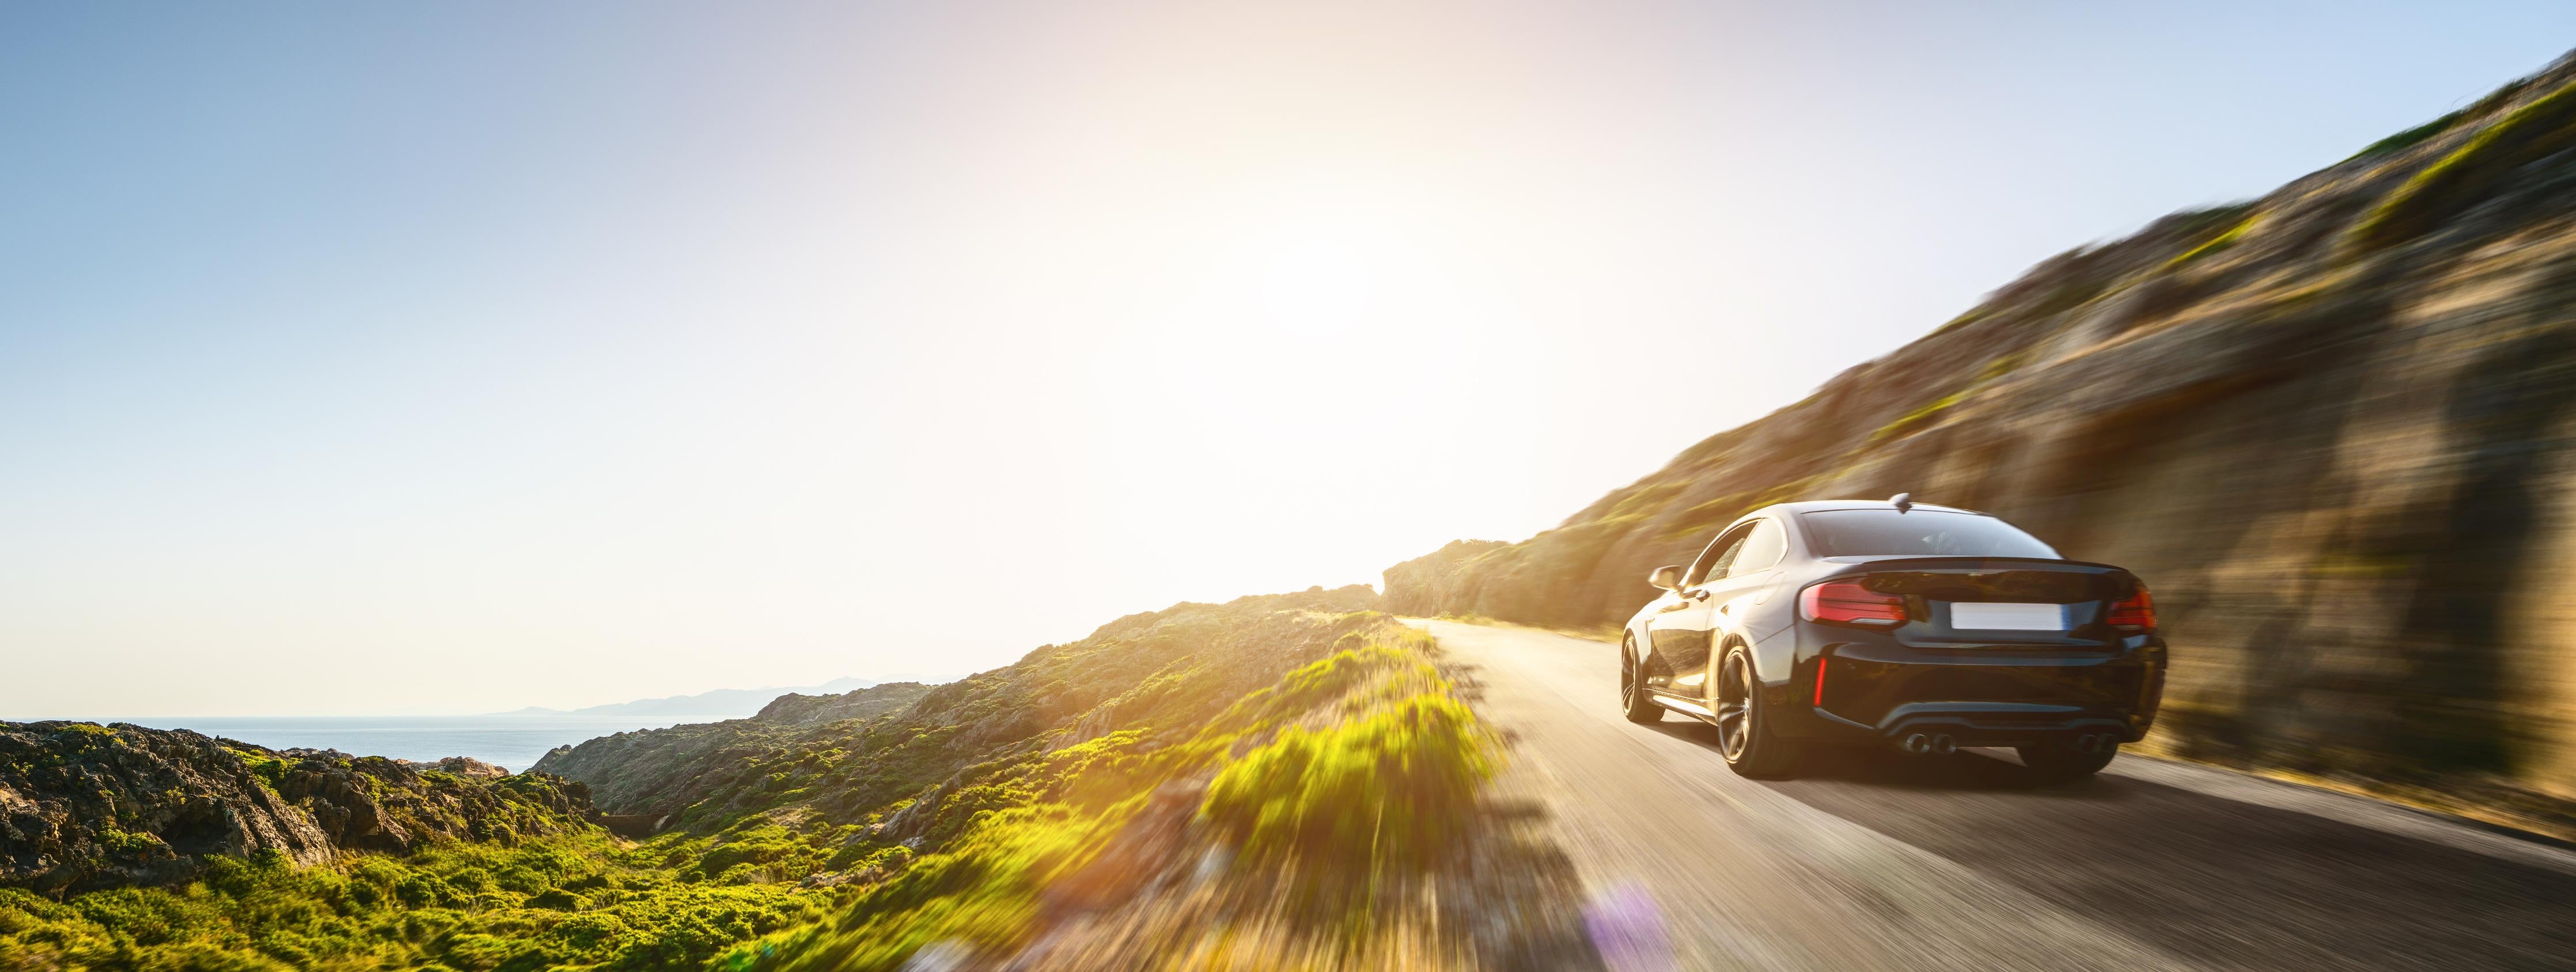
(458, 357)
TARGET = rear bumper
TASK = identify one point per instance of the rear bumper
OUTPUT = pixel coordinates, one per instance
(1877, 688)
(1987, 728)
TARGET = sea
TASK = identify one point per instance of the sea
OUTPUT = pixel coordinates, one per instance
(512, 742)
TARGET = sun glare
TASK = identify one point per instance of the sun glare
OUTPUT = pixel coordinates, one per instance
(1322, 279)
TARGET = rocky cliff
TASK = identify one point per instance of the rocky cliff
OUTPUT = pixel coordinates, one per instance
(2331, 427)
(86, 806)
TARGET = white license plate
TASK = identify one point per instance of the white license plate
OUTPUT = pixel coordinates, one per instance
(2008, 617)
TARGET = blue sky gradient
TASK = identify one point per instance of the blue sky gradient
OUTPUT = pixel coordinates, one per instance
(461, 357)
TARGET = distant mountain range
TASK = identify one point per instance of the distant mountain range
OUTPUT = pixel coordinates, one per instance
(719, 704)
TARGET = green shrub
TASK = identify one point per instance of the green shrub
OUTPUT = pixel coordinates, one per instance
(270, 770)
(122, 843)
(982, 889)
(1393, 786)
(468, 908)
(2409, 138)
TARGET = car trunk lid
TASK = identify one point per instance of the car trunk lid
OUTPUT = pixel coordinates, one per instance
(1998, 600)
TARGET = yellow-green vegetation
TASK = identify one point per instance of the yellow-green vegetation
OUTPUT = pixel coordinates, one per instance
(2217, 244)
(984, 889)
(1918, 419)
(2442, 190)
(1924, 415)
(2421, 133)
(1291, 734)
(1973, 315)
(269, 769)
(569, 900)
(2409, 138)
(1348, 769)
(1395, 783)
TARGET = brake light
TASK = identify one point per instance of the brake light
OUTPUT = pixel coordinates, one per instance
(2136, 613)
(1846, 602)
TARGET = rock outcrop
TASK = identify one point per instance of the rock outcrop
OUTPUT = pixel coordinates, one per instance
(656, 772)
(466, 766)
(794, 709)
(86, 806)
(2334, 428)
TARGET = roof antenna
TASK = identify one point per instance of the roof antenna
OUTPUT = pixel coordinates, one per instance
(1903, 501)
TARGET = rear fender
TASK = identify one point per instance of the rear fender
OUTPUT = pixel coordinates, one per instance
(1775, 661)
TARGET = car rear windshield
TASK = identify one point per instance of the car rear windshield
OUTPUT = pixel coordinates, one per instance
(1918, 533)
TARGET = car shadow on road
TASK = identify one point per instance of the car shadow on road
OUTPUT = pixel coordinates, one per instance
(2214, 881)
(1965, 770)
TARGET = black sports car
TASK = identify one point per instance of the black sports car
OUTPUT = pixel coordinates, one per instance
(1892, 623)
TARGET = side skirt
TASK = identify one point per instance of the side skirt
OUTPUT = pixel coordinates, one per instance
(1686, 707)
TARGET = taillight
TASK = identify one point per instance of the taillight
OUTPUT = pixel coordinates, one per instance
(1846, 602)
(2136, 613)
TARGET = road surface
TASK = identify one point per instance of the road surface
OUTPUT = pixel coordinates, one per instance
(1883, 861)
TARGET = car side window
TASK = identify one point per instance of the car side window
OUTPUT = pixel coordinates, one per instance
(1761, 550)
(1715, 564)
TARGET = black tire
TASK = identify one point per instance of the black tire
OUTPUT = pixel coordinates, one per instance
(1744, 724)
(2065, 762)
(1634, 701)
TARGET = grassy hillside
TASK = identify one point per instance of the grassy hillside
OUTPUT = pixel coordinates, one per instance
(1276, 782)
(574, 899)
(1268, 779)
(2329, 426)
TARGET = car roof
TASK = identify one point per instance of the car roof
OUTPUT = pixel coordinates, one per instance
(1816, 506)
(1819, 506)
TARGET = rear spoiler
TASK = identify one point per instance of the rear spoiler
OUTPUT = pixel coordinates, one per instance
(1969, 563)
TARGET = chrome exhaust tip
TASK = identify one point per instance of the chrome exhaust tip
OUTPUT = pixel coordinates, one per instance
(1917, 744)
(1943, 745)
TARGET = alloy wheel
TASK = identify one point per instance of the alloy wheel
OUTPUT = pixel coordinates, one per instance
(1627, 678)
(1734, 708)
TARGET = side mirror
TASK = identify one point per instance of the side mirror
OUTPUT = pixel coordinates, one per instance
(1667, 577)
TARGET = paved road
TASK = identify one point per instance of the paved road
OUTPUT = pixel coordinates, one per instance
(1881, 861)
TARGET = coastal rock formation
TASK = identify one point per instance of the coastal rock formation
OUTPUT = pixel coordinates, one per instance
(86, 806)
(466, 766)
(2334, 428)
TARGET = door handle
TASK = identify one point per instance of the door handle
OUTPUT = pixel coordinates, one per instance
(1699, 595)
